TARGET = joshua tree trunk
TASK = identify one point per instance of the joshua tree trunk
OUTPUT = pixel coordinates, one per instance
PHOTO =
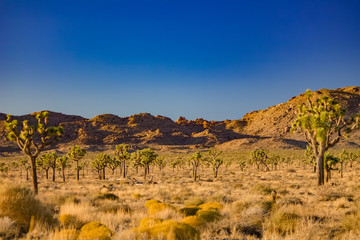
(145, 172)
(53, 175)
(103, 173)
(341, 169)
(320, 169)
(124, 170)
(77, 171)
(47, 173)
(63, 174)
(34, 174)
(195, 174)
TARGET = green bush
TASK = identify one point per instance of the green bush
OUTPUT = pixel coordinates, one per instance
(109, 196)
(20, 204)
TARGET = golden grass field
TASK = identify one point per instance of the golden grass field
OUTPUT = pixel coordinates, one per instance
(250, 204)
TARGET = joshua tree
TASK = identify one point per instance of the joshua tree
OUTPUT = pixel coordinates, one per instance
(196, 160)
(123, 155)
(345, 157)
(113, 163)
(177, 162)
(242, 163)
(25, 163)
(147, 156)
(214, 160)
(62, 163)
(259, 157)
(43, 163)
(51, 161)
(330, 162)
(309, 157)
(160, 162)
(76, 154)
(30, 145)
(100, 163)
(323, 123)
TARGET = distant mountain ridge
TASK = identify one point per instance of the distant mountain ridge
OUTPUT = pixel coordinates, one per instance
(267, 128)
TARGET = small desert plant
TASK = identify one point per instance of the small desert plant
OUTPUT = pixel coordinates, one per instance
(94, 230)
(193, 202)
(20, 204)
(171, 230)
(68, 221)
(189, 211)
(194, 221)
(65, 234)
(283, 222)
(155, 206)
(8, 228)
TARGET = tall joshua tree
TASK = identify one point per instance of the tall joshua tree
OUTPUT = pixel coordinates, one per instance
(27, 141)
(123, 155)
(76, 154)
(323, 123)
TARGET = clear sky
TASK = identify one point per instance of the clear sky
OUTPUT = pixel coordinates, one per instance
(211, 59)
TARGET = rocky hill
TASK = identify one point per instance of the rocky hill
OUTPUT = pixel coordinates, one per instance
(267, 128)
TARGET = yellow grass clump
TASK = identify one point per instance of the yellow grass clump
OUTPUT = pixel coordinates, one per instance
(194, 221)
(68, 220)
(94, 230)
(155, 206)
(171, 230)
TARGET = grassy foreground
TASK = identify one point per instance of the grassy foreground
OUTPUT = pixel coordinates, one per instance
(279, 204)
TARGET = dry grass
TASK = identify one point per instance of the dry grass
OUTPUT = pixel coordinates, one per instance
(282, 204)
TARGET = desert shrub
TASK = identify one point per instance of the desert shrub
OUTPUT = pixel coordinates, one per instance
(283, 222)
(262, 189)
(155, 206)
(290, 201)
(114, 208)
(109, 196)
(20, 204)
(94, 230)
(240, 206)
(194, 221)
(189, 211)
(267, 206)
(352, 222)
(8, 228)
(136, 196)
(148, 222)
(65, 234)
(193, 202)
(172, 230)
(209, 215)
(68, 220)
(211, 206)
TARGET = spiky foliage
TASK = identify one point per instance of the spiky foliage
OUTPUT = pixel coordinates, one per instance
(309, 157)
(346, 157)
(323, 123)
(330, 162)
(214, 160)
(147, 157)
(76, 154)
(27, 141)
(100, 163)
(113, 163)
(196, 160)
(47, 161)
(160, 162)
(62, 163)
(123, 155)
(26, 165)
(259, 157)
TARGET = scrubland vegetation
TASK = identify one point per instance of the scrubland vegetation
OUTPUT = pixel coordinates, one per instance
(256, 194)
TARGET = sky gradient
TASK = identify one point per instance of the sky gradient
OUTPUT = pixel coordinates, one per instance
(212, 59)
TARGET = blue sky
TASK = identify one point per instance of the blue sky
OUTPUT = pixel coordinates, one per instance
(211, 59)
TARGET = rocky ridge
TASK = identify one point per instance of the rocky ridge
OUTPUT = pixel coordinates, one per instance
(269, 128)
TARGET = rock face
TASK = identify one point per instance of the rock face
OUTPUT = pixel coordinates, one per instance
(269, 128)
